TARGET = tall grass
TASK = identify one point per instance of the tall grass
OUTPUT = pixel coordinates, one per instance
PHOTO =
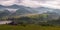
(28, 27)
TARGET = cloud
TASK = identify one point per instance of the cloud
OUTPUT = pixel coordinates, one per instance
(7, 2)
(10, 9)
(51, 4)
(29, 3)
(32, 3)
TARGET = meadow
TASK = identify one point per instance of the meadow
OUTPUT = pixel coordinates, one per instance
(28, 27)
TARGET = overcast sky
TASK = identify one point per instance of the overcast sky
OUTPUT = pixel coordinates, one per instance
(32, 3)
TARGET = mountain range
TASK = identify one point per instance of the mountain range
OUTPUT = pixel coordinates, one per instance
(21, 10)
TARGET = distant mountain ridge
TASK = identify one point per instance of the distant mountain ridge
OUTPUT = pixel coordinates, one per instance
(28, 10)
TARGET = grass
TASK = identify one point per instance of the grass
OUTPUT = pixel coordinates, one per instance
(28, 27)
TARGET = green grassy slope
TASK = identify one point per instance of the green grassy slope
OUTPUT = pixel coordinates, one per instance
(28, 27)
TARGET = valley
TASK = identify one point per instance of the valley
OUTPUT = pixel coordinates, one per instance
(26, 18)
